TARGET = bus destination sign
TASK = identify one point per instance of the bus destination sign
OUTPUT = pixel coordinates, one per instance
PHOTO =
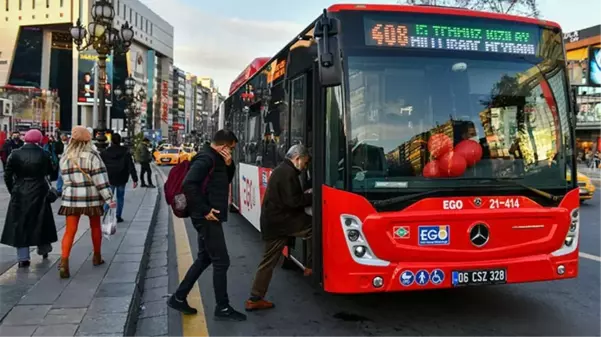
(494, 39)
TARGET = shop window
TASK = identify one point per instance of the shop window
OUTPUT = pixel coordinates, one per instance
(27, 62)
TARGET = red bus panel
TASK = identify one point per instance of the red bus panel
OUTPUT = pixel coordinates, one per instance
(523, 240)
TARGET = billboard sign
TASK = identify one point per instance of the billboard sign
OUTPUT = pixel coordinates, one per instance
(594, 67)
(86, 78)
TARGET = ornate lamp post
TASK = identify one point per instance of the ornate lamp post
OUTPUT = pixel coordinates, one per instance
(133, 100)
(101, 36)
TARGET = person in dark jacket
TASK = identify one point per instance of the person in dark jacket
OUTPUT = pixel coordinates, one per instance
(119, 166)
(29, 220)
(144, 157)
(12, 144)
(282, 216)
(206, 187)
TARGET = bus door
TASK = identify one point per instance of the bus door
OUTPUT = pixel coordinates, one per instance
(300, 126)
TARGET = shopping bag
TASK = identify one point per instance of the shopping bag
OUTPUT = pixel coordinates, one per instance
(109, 223)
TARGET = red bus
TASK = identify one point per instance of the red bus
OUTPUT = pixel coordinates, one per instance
(441, 141)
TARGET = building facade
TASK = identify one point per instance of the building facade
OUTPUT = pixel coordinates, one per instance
(36, 51)
(584, 65)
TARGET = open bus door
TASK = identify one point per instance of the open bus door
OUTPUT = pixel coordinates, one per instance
(325, 72)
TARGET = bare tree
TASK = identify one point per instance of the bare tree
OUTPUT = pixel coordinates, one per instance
(516, 7)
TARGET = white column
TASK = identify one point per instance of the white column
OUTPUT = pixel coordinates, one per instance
(46, 55)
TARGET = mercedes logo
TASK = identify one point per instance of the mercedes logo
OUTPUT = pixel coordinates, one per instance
(478, 202)
(479, 235)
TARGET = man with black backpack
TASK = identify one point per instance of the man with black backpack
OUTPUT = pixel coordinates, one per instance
(206, 188)
(119, 166)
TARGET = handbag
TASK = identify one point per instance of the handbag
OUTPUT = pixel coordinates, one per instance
(52, 194)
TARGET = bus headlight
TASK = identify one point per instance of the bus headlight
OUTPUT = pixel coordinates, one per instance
(570, 242)
(353, 235)
(359, 249)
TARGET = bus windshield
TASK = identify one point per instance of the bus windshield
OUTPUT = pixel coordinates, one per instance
(513, 105)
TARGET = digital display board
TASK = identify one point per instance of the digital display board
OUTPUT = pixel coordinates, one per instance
(456, 35)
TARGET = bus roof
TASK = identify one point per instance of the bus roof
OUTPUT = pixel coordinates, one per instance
(440, 10)
(248, 72)
(259, 63)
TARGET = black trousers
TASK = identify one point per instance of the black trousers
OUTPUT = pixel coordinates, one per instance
(145, 168)
(211, 250)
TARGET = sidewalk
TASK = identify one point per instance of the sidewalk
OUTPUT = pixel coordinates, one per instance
(95, 300)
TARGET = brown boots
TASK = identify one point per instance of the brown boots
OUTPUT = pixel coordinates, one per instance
(63, 266)
(97, 259)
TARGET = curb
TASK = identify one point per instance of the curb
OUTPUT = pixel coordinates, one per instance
(134, 307)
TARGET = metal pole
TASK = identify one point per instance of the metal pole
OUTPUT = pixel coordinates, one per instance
(101, 139)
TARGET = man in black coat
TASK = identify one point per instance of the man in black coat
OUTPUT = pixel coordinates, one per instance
(12, 144)
(282, 216)
(206, 187)
(119, 166)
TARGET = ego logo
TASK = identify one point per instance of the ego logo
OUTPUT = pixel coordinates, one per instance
(248, 193)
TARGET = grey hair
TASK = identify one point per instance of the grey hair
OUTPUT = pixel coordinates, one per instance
(297, 150)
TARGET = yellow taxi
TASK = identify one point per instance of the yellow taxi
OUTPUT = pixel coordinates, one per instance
(168, 156)
(587, 189)
(187, 153)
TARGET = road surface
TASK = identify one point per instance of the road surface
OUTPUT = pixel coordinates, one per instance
(568, 307)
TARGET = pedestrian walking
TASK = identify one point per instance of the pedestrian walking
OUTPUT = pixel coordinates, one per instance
(282, 216)
(206, 187)
(29, 220)
(86, 190)
(119, 165)
(13, 143)
(144, 157)
(60, 149)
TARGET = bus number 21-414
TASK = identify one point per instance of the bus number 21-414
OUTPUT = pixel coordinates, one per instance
(507, 203)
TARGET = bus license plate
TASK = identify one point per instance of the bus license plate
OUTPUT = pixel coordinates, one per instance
(478, 277)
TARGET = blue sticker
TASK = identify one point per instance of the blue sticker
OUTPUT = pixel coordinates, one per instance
(407, 278)
(433, 235)
(436, 277)
(422, 277)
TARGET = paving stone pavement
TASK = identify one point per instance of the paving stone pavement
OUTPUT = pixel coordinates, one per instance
(101, 300)
(153, 316)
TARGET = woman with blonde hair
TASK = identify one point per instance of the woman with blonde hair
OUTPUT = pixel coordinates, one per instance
(86, 190)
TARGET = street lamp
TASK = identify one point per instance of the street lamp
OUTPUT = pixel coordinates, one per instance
(133, 103)
(105, 39)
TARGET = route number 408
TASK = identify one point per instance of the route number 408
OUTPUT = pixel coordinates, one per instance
(507, 203)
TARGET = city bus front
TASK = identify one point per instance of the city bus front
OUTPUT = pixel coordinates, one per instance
(447, 147)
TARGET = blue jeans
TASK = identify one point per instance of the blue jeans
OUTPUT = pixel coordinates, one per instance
(120, 199)
(23, 252)
(59, 182)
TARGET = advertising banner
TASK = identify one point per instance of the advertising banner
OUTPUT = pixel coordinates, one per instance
(594, 60)
(87, 77)
(165, 101)
(32, 108)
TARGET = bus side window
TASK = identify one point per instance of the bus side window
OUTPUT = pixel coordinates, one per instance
(334, 138)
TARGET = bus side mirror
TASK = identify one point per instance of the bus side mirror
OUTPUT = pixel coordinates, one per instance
(329, 56)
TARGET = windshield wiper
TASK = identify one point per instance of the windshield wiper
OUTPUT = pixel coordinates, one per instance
(533, 189)
(402, 198)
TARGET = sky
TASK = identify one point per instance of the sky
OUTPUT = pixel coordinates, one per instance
(220, 38)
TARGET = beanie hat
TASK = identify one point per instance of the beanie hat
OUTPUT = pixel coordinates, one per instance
(33, 136)
(80, 133)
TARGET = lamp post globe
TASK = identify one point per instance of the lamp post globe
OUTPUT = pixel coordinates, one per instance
(118, 92)
(130, 82)
(127, 34)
